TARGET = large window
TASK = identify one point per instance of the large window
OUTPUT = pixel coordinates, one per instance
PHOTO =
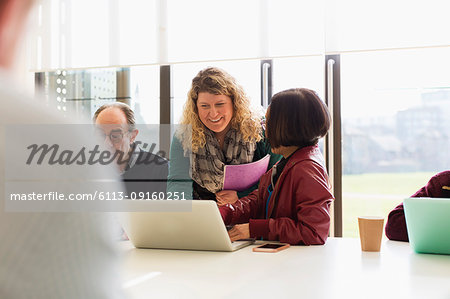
(395, 120)
(395, 101)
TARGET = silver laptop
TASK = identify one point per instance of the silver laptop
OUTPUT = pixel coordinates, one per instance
(202, 228)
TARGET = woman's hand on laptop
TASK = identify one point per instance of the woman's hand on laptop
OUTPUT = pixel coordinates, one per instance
(225, 197)
(239, 231)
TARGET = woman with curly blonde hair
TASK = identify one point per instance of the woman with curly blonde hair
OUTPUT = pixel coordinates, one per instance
(218, 128)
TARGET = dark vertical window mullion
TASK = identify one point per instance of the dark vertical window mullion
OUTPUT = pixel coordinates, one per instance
(39, 83)
(123, 82)
(335, 144)
(165, 99)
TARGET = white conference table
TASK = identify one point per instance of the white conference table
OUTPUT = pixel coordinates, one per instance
(338, 269)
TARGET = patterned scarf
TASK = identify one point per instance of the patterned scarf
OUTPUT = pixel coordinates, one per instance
(207, 164)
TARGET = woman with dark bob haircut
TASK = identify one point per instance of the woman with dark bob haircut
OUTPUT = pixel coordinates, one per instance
(293, 199)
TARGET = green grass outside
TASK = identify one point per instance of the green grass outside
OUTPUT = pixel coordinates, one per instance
(360, 195)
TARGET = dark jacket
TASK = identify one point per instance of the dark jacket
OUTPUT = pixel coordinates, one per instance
(437, 186)
(146, 176)
(298, 211)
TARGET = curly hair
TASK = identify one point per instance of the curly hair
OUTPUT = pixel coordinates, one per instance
(216, 81)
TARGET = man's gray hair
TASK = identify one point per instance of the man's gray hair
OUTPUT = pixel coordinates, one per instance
(129, 114)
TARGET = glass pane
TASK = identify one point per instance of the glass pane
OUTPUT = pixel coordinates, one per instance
(137, 32)
(387, 24)
(88, 42)
(291, 31)
(209, 30)
(395, 120)
(144, 92)
(80, 93)
(304, 72)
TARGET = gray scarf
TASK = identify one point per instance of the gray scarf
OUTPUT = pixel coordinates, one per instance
(207, 164)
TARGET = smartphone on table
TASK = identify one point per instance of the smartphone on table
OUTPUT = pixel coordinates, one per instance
(271, 247)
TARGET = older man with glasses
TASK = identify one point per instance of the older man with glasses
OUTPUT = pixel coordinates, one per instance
(144, 173)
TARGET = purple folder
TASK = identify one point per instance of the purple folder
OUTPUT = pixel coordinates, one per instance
(243, 176)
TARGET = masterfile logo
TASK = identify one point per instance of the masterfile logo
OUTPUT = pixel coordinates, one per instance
(53, 154)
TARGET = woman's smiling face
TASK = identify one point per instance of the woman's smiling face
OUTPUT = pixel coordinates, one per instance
(215, 111)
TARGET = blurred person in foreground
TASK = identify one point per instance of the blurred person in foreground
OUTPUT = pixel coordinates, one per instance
(46, 255)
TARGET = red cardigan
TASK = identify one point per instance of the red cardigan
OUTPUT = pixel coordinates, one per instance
(299, 206)
(396, 225)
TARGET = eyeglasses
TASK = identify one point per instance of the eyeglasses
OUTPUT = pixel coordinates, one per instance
(115, 136)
